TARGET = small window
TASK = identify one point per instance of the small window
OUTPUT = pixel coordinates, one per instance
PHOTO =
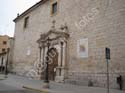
(26, 22)
(54, 8)
(4, 42)
(3, 50)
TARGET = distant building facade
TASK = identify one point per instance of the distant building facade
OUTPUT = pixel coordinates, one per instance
(79, 31)
(4, 43)
(6, 50)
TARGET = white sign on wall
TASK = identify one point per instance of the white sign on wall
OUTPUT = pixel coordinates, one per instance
(28, 51)
(82, 49)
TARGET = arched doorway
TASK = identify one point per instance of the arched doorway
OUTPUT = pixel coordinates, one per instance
(57, 39)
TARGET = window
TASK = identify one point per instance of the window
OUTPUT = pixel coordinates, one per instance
(26, 22)
(3, 50)
(54, 8)
(4, 42)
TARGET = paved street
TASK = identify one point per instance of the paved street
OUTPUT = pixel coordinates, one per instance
(9, 89)
(15, 84)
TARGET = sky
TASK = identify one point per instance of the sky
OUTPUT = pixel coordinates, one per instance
(9, 10)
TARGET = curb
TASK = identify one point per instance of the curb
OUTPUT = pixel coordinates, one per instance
(43, 91)
(3, 77)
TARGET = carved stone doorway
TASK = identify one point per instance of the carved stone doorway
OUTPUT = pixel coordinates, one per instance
(58, 40)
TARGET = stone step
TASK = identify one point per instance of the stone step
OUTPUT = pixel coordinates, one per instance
(2, 76)
(77, 82)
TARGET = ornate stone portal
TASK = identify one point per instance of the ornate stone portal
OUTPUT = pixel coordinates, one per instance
(58, 41)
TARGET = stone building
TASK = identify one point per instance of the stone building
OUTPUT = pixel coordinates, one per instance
(79, 31)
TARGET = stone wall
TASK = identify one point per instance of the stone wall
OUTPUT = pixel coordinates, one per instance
(94, 79)
(104, 27)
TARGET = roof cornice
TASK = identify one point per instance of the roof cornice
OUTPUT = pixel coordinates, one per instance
(29, 10)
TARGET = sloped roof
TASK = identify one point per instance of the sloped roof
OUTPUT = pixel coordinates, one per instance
(30, 9)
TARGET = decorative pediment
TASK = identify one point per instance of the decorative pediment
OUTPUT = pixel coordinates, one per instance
(53, 34)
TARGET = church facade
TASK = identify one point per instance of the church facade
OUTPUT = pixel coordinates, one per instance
(78, 31)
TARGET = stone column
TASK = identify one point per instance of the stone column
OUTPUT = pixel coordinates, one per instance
(64, 54)
(41, 63)
(40, 53)
(43, 55)
(64, 59)
(61, 59)
(58, 69)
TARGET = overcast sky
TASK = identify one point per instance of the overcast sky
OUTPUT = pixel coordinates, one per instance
(9, 10)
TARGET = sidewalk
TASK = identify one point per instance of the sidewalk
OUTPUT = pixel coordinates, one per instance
(20, 82)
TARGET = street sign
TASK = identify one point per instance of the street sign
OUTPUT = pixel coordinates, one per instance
(107, 53)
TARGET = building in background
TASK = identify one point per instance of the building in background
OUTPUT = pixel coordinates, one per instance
(80, 32)
(6, 48)
(4, 45)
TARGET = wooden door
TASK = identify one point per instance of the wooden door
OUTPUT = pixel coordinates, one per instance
(52, 67)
